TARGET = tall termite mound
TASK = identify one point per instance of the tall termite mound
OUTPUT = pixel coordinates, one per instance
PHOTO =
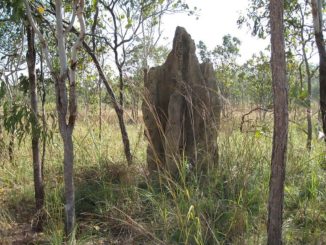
(181, 110)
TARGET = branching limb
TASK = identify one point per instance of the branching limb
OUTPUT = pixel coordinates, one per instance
(73, 64)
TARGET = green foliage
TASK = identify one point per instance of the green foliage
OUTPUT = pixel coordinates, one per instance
(115, 202)
(18, 119)
(23, 84)
(229, 50)
(12, 8)
(204, 54)
(224, 57)
(256, 76)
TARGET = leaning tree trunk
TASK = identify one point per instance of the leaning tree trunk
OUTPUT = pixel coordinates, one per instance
(117, 107)
(318, 24)
(37, 166)
(280, 135)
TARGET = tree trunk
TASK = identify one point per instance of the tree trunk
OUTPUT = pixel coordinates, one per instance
(69, 180)
(280, 135)
(65, 131)
(318, 24)
(124, 134)
(309, 113)
(44, 124)
(11, 146)
(118, 109)
(306, 62)
(37, 166)
(67, 107)
(121, 86)
(100, 110)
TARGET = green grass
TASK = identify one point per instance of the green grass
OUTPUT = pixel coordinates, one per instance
(115, 203)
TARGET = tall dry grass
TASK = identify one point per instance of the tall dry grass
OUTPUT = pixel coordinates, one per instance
(117, 205)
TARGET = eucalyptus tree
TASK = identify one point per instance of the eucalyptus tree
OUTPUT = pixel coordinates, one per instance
(66, 101)
(298, 38)
(280, 134)
(37, 164)
(300, 42)
(137, 64)
(224, 57)
(317, 14)
(256, 78)
(21, 119)
(12, 56)
(119, 27)
(146, 52)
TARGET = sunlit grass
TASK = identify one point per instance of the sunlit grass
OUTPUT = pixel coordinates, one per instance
(115, 203)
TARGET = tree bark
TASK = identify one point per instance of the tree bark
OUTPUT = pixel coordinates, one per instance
(280, 135)
(37, 166)
(69, 181)
(67, 106)
(318, 24)
(309, 77)
(44, 124)
(65, 130)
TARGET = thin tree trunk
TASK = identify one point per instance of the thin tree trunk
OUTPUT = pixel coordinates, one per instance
(37, 166)
(62, 109)
(305, 60)
(1, 142)
(67, 107)
(44, 125)
(11, 146)
(69, 181)
(309, 116)
(134, 108)
(309, 113)
(318, 24)
(121, 87)
(100, 109)
(280, 135)
(118, 109)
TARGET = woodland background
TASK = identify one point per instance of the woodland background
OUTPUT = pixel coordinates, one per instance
(92, 56)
